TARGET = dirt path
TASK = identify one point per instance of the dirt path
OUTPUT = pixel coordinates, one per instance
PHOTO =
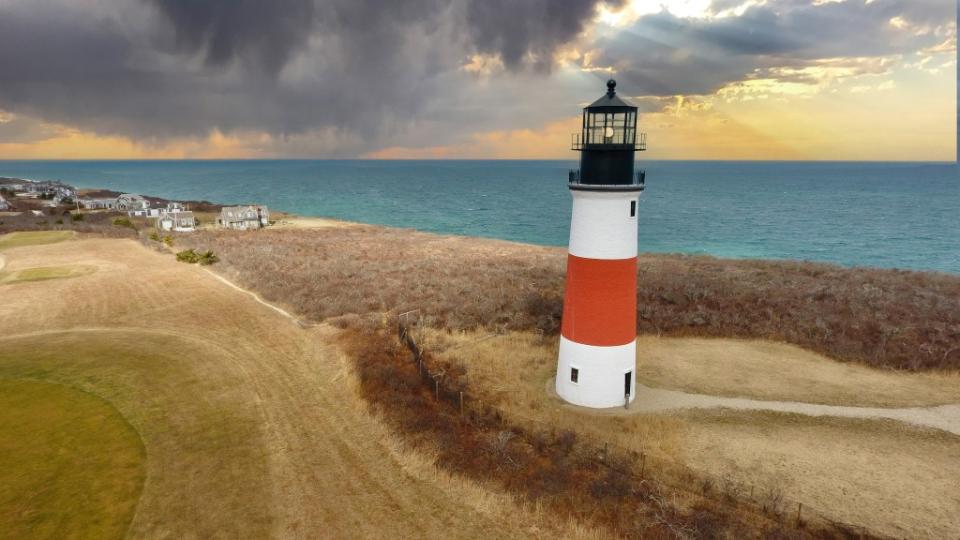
(256, 297)
(650, 400)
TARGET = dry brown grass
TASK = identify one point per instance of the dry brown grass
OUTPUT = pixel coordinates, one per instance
(98, 223)
(882, 318)
(252, 425)
(844, 470)
(882, 475)
(576, 477)
(781, 372)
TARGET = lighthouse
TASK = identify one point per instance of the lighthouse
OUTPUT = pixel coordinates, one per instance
(598, 343)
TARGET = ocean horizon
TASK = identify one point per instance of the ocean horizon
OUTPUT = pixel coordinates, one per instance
(875, 214)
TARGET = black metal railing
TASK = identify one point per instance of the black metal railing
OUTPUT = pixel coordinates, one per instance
(639, 179)
(585, 141)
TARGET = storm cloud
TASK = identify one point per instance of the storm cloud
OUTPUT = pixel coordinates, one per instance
(665, 55)
(162, 68)
(263, 33)
(358, 74)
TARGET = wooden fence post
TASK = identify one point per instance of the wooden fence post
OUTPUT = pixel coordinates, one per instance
(799, 509)
(461, 403)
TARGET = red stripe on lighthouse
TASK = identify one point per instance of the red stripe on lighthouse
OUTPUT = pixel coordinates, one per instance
(600, 304)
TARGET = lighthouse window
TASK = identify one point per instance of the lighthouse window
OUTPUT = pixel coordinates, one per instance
(633, 208)
(574, 375)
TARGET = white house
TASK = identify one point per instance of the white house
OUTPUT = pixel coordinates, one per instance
(98, 204)
(132, 202)
(176, 221)
(244, 217)
(4, 205)
(171, 208)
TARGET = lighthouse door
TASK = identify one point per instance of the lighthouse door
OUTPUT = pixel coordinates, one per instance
(627, 380)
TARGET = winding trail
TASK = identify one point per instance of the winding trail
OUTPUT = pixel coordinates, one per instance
(944, 417)
(253, 295)
(656, 400)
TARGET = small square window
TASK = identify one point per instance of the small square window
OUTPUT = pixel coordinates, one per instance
(574, 375)
(633, 208)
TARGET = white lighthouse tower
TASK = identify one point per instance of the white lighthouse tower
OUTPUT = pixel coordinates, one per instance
(597, 362)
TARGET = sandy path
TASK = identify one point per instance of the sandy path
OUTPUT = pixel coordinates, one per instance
(649, 400)
(253, 295)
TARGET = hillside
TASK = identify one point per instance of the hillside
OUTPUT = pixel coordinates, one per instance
(883, 318)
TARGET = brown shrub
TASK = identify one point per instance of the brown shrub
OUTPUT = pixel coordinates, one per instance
(421, 397)
(100, 224)
(885, 318)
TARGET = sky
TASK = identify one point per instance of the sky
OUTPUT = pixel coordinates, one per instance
(485, 79)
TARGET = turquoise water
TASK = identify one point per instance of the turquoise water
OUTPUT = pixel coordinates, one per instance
(894, 215)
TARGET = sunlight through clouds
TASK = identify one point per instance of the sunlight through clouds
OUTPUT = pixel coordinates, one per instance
(450, 77)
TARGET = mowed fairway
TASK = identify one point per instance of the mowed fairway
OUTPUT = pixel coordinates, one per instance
(46, 272)
(70, 465)
(33, 238)
(251, 425)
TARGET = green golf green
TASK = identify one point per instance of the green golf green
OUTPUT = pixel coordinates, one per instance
(70, 465)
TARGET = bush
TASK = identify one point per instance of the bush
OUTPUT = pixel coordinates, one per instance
(76, 217)
(192, 257)
(124, 222)
(188, 256)
(168, 240)
(154, 236)
(207, 258)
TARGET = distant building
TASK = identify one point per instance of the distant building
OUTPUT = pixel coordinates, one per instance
(171, 208)
(132, 202)
(4, 205)
(244, 217)
(181, 221)
(44, 189)
(98, 204)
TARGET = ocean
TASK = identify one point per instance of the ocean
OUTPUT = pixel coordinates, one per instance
(890, 215)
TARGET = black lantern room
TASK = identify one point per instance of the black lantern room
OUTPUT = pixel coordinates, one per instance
(607, 144)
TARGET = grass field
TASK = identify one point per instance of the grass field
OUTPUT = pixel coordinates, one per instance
(252, 425)
(33, 238)
(45, 273)
(883, 318)
(70, 465)
(777, 371)
(884, 476)
(788, 318)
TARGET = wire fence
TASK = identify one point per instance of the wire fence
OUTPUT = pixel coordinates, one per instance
(449, 387)
(448, 383)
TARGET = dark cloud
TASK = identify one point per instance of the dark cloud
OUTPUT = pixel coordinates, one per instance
(264, 33)
(667, 55)
(513, 29)
(358, 74)
(363, 69)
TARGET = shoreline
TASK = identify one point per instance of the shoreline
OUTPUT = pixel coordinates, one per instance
(294, 220)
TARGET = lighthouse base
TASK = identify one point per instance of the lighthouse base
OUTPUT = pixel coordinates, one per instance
(597, 377)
